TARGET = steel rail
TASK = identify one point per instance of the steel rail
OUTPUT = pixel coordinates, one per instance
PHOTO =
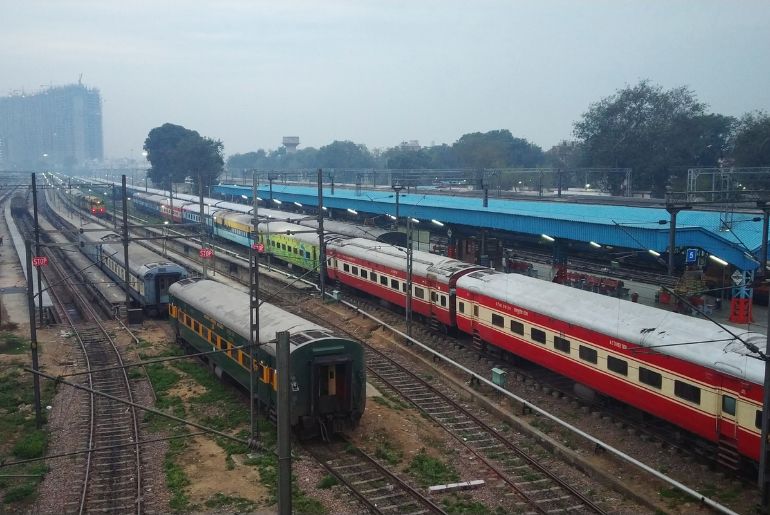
(358, 453)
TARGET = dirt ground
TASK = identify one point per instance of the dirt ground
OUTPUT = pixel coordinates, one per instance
(205, 465)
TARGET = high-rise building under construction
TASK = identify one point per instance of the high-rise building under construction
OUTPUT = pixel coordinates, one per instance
(60, 127)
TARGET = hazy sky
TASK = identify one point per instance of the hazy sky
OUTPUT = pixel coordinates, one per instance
(378, 72)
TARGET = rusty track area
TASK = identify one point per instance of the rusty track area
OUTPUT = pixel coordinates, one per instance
(375, 486)
(112, 479)
(523, 475)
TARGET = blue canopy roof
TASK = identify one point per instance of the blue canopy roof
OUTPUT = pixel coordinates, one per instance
(621, 226)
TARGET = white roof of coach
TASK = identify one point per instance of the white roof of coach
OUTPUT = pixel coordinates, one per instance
(384, 254)
(635, 323)
(230, 307)
(141, 260)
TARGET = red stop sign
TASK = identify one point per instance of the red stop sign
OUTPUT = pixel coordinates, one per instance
(206, 253)
(259, 247)
(39, 261)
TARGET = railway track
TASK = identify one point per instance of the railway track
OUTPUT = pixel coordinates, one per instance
(111, 481)
(374, 485)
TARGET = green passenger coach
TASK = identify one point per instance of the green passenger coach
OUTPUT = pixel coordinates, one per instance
(328, 373)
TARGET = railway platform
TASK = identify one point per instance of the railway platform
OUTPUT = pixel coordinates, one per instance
(13, 284)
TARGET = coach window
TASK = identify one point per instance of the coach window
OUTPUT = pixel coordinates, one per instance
(728, 405)
(394, 284)
(587, 354)
(476, 310)
(383, 280)
(517, 327)
(687, 392)
(616, 365)
(651, 378)
(419, 292)
(758, 419)
(355, 270)
(373, 276)
(346, 267)
(498, 320)
(364, 274)
(443, 301)
(403, 287)
(433, 296)
(461, 307)
(538, 335)
(561, 344)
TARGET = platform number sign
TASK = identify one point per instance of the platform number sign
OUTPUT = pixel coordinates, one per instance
(691, 256)
(39, 261)
(206, 253)
(259, 247)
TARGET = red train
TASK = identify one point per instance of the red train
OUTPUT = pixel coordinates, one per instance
(682, 369)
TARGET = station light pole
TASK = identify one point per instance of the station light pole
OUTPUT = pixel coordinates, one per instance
(321, 241)
(397, 187)
(409, 267)
(254, 315)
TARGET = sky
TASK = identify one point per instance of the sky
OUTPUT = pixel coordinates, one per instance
(248, 72)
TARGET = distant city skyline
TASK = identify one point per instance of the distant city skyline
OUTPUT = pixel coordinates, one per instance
(379, 73)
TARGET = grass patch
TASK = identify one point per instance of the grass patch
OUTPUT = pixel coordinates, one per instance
(219, 406)
(162, 378)
(327, 482)
(176, 479)
(673, 496)
(20, 438)
(31, 445)
(237, 504)
(391, 401)
(431, 471)
(465, 505)
(387, 452)
(12, 344)
(20, 493)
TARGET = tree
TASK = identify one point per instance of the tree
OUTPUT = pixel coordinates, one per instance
(397, 158)
(652, 131)
(496, 149)
(344, 154)
(751, 144)
(565, 155)
(175, 153)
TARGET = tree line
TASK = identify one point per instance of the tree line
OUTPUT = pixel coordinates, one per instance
(658, 133)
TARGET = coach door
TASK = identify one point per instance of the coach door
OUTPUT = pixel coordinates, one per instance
(433, 296)
(162, 284)
(331, 386)
(727, 414)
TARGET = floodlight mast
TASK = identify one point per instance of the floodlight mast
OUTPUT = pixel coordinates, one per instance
(321, 242)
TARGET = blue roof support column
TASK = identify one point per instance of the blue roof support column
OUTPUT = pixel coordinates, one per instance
(673, 210)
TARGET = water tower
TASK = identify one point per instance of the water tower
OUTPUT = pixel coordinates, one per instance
(291, 143)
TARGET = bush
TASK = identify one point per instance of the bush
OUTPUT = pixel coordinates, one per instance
(31, 446)
(19, 493)
(327, 482)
